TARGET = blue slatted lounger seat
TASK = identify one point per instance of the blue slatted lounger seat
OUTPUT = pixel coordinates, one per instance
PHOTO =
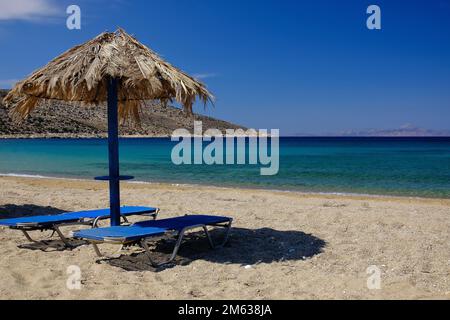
(54, 222)
(141, 233)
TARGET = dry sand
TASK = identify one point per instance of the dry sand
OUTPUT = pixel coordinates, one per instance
(283, 246)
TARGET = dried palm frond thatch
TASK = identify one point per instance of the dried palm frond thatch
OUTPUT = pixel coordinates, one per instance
(81, 75)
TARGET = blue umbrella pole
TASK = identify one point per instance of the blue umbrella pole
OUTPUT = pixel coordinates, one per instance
(113, 150)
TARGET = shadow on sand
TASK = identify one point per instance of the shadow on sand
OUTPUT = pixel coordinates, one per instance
(244, 247)
(9, 211)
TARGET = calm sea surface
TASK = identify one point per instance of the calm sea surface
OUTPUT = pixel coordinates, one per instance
(384, 166)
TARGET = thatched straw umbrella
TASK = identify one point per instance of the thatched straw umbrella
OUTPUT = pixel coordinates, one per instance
(112, 67)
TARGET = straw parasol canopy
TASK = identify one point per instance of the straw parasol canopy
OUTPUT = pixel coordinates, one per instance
(81, 75)
(113, 68)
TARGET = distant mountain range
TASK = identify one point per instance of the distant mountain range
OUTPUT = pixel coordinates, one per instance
(407, 130)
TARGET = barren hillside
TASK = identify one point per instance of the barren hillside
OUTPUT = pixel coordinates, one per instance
(59, 119)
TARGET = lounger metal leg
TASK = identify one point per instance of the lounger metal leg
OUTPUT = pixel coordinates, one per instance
(177, 245)
(148, 253)
(97, 250)
(28, 236)
(227, 233)
(100, 254)
(95, 223)
(211, 243)
(54, 229)
(125, 219)
(173, 255)
(62, 237)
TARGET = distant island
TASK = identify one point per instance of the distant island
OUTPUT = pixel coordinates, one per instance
(407, 130)
(62, 120)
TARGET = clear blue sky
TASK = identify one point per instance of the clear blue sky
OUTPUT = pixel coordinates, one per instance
(301, 66)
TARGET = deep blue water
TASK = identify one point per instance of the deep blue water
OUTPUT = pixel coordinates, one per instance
(386, 166)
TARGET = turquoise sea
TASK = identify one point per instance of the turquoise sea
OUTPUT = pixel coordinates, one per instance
(418, 167)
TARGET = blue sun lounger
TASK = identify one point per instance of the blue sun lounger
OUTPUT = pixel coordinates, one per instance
(54, 222)
(141, 233)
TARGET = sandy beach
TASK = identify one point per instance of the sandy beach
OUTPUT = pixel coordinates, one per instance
(284, 245)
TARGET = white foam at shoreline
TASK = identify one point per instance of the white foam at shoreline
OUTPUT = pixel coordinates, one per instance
(35, 176)
(22, 175)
